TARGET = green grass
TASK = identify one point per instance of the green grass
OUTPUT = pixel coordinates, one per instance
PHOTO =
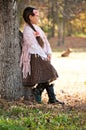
(23, 118)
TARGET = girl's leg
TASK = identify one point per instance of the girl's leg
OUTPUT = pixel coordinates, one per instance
(38, 92)
(50, 91)
(51, 94)
(28, 94)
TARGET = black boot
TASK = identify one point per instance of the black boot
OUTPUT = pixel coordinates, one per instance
(28, 94)
(51, 95)
(38, 92)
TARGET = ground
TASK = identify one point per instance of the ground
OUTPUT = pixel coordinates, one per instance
(70, 87)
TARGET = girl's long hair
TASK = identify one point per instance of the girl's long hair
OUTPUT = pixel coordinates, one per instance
(27, 12)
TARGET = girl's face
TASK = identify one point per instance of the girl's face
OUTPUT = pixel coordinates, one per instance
(34, 19)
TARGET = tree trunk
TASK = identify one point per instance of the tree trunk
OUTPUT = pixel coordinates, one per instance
(69, 29)
(53, 23)
(10, 73)
(60, 33)
(60, 23)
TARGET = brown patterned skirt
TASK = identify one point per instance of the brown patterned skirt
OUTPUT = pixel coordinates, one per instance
(41, 71)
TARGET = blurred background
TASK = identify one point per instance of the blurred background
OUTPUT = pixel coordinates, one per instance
(64, 21)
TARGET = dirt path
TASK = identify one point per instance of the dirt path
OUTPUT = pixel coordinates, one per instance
(71, 84)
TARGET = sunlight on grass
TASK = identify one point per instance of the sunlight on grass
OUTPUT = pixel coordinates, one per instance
(79, 35)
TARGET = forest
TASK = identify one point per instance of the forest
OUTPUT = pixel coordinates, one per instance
(60, 18)
(64, 23)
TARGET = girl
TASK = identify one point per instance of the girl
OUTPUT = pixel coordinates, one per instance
(36, 56)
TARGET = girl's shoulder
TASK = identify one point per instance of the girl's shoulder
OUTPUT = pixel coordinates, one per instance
(27, 27)
(27, 30)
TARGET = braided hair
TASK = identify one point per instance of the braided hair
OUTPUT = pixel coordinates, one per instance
(27, 12)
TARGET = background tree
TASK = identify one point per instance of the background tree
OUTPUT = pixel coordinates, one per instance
(10, 73)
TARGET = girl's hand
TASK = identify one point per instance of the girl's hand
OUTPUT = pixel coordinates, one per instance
(49, 57)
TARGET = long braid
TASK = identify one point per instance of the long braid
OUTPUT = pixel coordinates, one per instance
(38, 38)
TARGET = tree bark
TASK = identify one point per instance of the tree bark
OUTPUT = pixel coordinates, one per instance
(10, 73)
(60, 23)
(53, 23)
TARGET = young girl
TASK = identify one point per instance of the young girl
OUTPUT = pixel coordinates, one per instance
(35, 58)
